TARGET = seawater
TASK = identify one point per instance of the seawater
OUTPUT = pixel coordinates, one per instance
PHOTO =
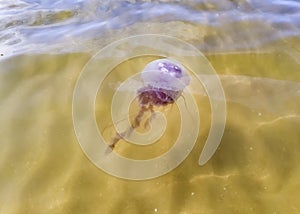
(252, 45)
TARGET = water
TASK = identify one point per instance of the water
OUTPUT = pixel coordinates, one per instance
(253, 46)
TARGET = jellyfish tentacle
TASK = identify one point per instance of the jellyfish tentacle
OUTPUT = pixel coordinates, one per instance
(136, 123)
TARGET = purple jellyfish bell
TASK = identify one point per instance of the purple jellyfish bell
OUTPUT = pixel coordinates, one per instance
(164, 81)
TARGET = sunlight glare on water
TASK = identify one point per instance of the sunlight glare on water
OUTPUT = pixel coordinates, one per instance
(253, 46)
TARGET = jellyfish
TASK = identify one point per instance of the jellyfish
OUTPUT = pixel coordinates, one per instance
(163, 83)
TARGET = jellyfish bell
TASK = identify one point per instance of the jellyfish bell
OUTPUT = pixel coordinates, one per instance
(164, 81)
(165, 74)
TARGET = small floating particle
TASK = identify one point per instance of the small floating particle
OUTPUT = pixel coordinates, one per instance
(259, 114)
(155, 210)
(1, 54)
(192, 193)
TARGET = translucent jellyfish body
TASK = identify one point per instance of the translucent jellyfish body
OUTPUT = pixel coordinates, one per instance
(164, 81)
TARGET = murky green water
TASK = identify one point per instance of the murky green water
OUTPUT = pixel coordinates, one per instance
(253, 46)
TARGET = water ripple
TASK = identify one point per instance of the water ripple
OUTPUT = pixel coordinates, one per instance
(227, 25)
